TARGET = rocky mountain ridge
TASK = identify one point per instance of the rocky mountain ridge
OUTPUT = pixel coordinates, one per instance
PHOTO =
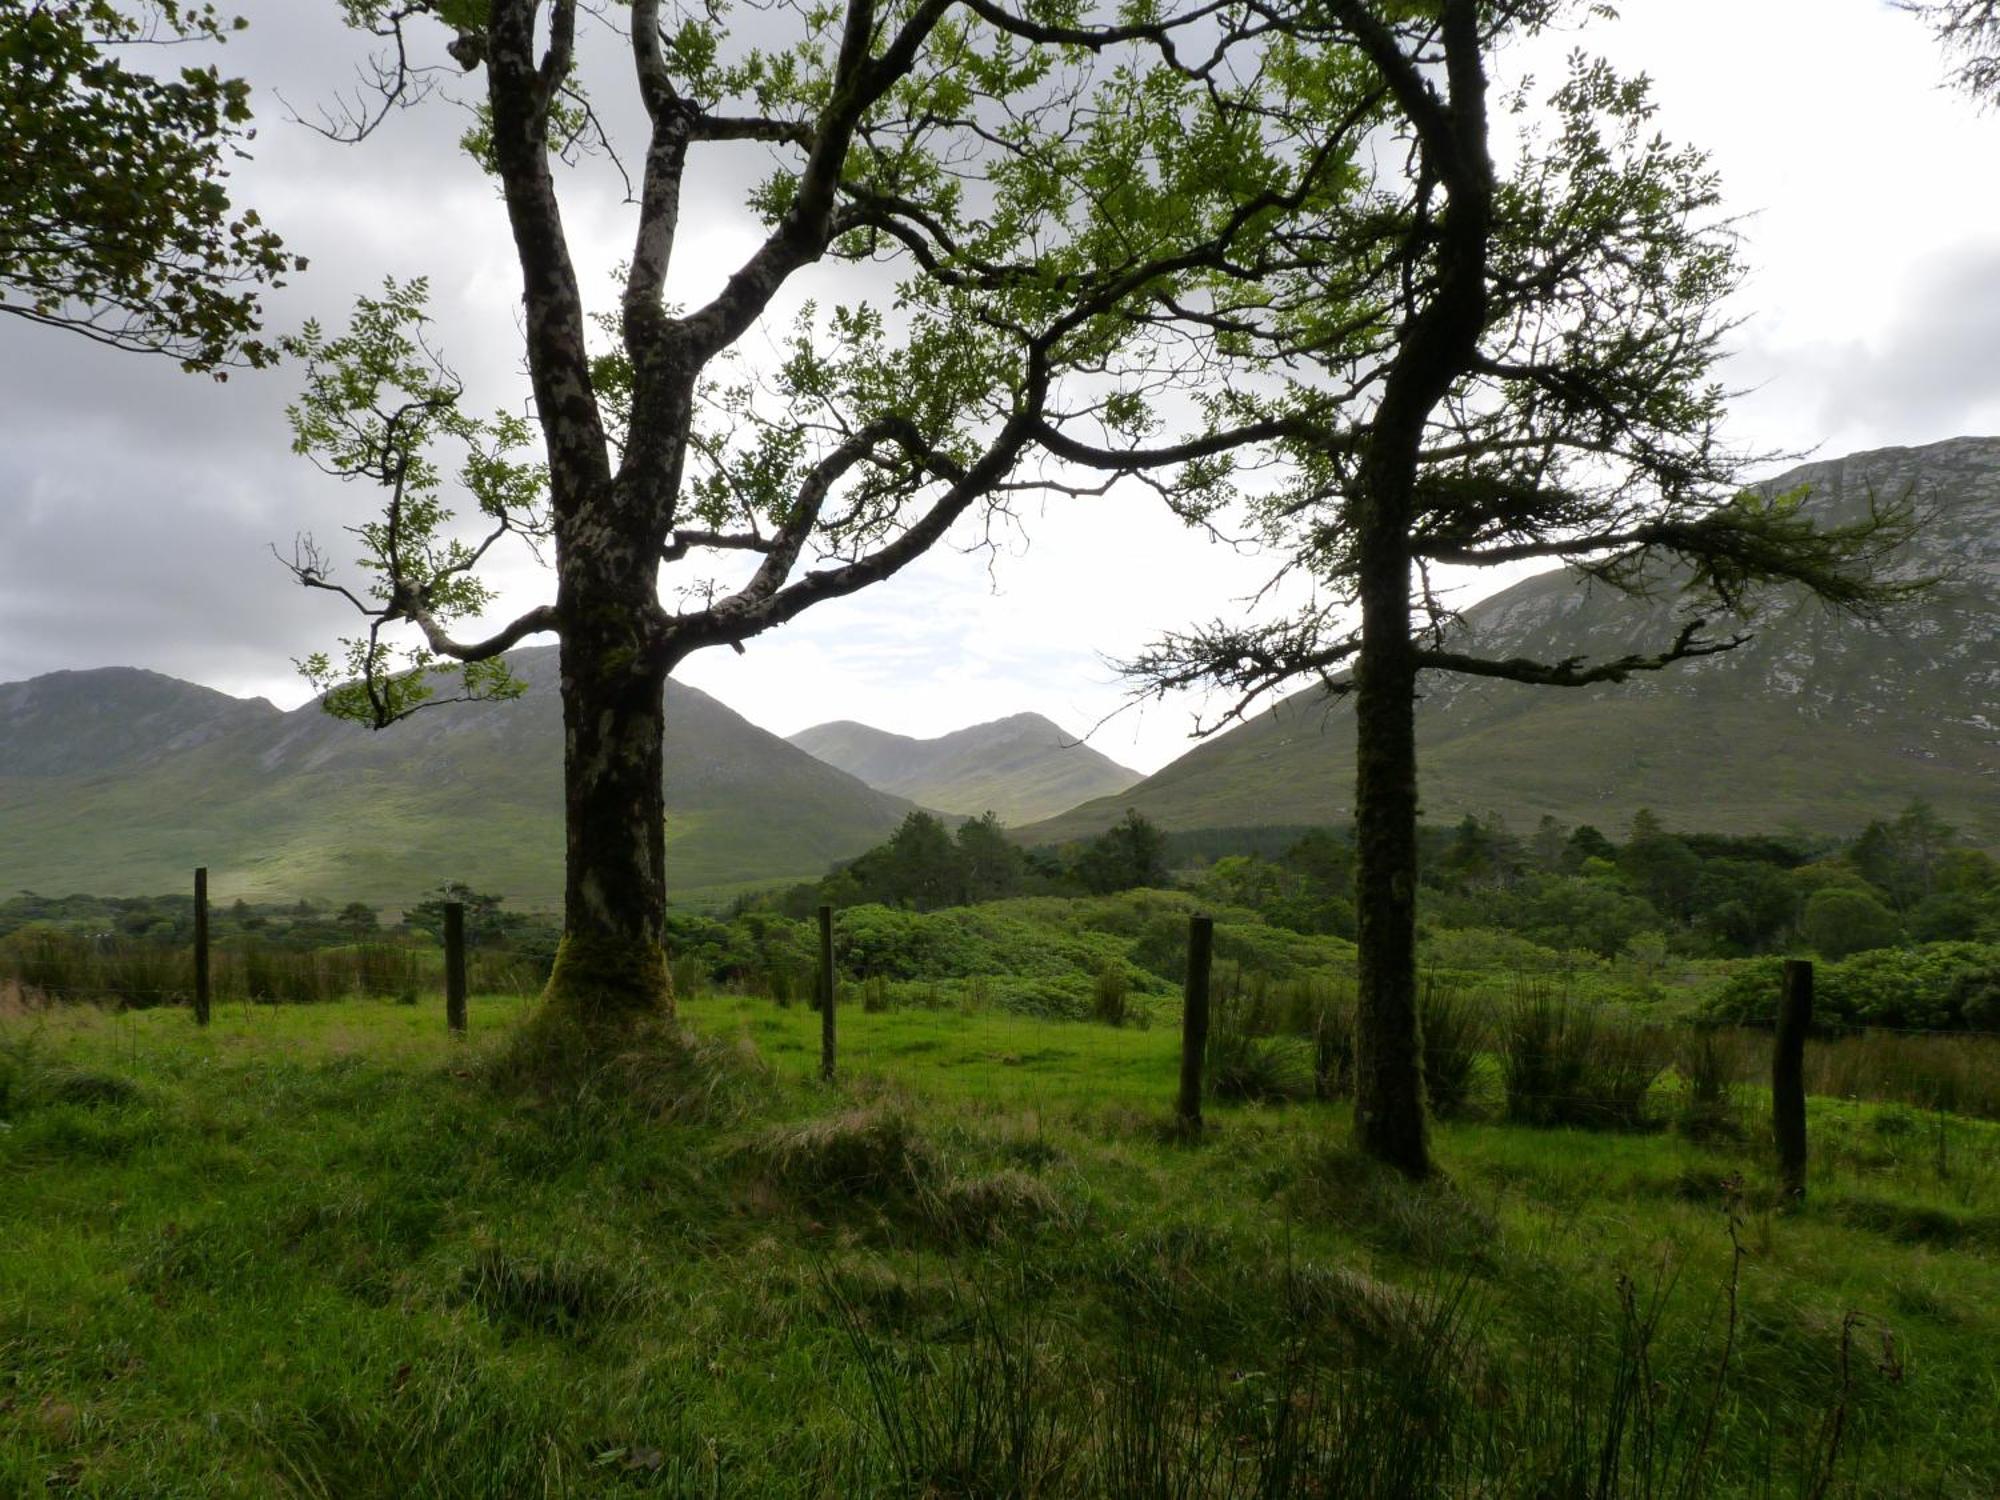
(1819, 723)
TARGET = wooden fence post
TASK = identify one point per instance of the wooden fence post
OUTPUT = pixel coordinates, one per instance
(454, 965)
(1194, 1019)
(826, 989)
(1788, 1079)
(201, 946)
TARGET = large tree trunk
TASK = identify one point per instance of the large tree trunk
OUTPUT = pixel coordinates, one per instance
(1388, 1056)
(610, 967)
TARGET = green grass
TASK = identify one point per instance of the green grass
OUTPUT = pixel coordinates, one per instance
(315, 1251)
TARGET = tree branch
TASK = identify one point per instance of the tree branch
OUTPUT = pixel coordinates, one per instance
(558, 353)
(1571, 671)
(685, 540)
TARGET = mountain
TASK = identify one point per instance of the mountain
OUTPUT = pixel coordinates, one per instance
(1022, 768)
(120, 782)
(1819, 724)
(113, 719)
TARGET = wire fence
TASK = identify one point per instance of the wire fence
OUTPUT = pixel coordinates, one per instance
(1614, 1066)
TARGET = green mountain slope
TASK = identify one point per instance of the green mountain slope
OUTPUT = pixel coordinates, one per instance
(298, 804)
(1022, 768)
(116, 718)
(1819, 723)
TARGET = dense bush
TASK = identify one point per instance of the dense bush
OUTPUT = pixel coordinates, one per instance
(1839, 921)
(1932, 986)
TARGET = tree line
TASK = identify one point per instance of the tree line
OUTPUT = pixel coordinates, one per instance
(1910, 879)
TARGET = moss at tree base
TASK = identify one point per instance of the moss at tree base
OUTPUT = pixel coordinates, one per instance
(603, 996)
(608, 981)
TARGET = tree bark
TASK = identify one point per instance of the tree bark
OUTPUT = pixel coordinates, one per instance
(1388, 1053)
(610, 966)
(1438, 343)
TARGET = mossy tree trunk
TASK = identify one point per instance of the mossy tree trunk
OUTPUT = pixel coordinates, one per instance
(1388, 1076)
(615, 890)
(610, 967)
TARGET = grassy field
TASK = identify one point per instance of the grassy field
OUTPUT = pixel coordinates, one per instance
(325, 1251)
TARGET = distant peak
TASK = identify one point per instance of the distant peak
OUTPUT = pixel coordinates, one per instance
(66, 680)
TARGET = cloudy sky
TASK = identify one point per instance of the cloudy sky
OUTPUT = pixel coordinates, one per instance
(138, 505)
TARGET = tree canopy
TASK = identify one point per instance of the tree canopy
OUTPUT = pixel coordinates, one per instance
(1465, 366)
(115, 215)
(1038, 192)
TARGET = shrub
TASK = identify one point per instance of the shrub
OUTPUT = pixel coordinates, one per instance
(1110, 995)
(1248, 1065)
(1928, 987)
(1841, 920)
(1541, 1057)
(1320, 1010)
(1333, 1051)
(689, 974)
(1707, 1069)
(1299, 1002)
(1621, 1069)
(1976, 994)
(1453, 1032)
(1562, 1065)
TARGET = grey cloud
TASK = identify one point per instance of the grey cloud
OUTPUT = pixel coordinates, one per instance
(1933, 373)
(137, 504)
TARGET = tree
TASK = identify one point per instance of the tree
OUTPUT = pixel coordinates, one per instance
(1550, 842)
(1902, 858)
(485, 922)
(1840, 920)
(1660, 866)
(1746, 902)
(1481, 853)
(1466, 371)
(115, 216)
(1127, 855)
(994, 865)
(918, 867)
(1041, 187)
(1587, 843)
(359, 920)
(1970, 32)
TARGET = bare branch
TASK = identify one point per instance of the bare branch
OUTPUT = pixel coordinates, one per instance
(684, 540)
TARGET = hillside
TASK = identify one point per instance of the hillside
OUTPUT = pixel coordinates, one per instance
(114, 719)
(1818, 724)
(119, 782)
(1022, 768)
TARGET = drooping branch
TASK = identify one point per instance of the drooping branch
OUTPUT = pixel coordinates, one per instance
(532, 622)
